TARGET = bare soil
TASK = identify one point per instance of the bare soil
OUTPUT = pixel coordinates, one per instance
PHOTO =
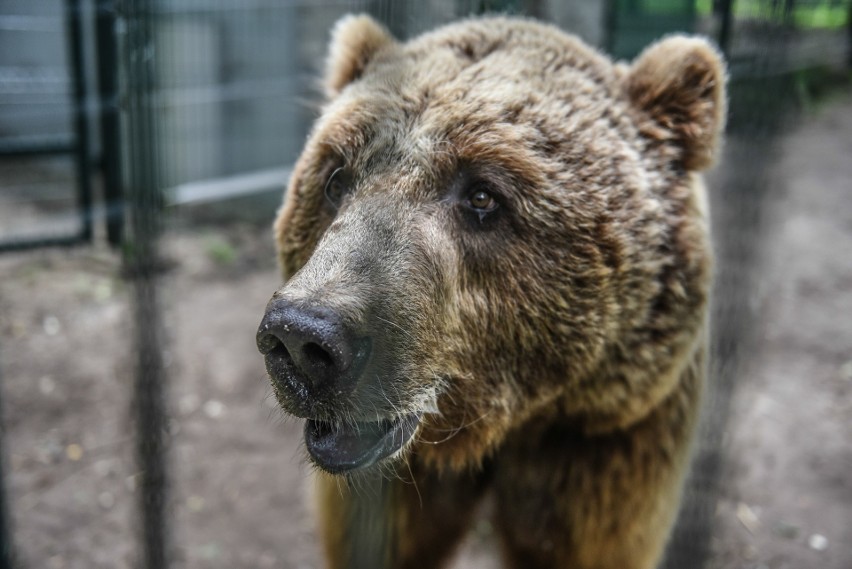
(787, 501)
(239, 486)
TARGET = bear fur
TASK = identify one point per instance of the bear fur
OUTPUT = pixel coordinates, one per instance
(518, 225)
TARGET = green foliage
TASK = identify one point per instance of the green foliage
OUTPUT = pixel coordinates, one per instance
(825, 15)
(820, 14)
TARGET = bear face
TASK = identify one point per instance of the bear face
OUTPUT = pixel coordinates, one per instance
(490, 223)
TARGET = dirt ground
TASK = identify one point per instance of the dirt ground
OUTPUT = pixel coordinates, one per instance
(239, 487)
(787, 501)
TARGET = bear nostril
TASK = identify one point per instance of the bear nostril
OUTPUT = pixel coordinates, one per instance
(273, 348)
(266, 343)
(280, 351)
(315, 354)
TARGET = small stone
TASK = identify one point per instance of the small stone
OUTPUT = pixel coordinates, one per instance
(74, 452)
(49, 451)
(195, 503)
(51, 325)
(103, 467)
(213, 409)
(846, 371)
(46, 385)
(748, 517)
(785, 530)
(818, 542)
(106, 500)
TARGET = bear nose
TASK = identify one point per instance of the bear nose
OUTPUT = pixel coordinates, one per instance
(309, 347)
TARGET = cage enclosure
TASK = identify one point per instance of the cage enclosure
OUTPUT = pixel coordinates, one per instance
(144, 148)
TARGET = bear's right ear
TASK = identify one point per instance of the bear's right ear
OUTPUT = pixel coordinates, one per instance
(355, 40)
(680, 83)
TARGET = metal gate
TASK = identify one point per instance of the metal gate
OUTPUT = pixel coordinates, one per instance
(58, 136)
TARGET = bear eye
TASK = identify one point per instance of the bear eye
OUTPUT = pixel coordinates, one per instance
(481, 202)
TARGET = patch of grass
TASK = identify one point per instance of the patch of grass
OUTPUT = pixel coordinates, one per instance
(819, 86)
(220, 250)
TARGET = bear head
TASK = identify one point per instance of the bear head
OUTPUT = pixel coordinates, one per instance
(490, 222)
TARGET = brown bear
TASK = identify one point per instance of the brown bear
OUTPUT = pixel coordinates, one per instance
(498, 261)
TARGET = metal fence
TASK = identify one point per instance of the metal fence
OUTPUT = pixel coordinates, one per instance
(134, 109)
(234, 82)
(39, 103)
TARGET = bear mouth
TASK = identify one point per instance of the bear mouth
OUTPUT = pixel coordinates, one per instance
(339, 447)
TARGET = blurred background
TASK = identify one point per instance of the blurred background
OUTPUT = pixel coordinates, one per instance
(144, 146)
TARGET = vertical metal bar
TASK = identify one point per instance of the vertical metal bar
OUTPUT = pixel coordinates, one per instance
(691, 11)
(610, 25)
(724, 9)
(788, 11)
(81, 122)
(107, 50)
(6, 541)
(534, 8)
(849, 33)
(141, 259)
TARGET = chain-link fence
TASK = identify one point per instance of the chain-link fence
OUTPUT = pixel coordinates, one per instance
(136, 413)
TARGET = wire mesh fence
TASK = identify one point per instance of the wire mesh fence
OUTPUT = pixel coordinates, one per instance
(42, 100)
(137, 409)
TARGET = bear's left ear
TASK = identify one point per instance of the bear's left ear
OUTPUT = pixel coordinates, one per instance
(680, 83)
(355, 40)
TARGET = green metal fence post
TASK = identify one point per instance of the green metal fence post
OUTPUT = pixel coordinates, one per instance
(141, 263)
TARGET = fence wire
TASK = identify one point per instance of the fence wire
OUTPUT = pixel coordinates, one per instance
(208, 101)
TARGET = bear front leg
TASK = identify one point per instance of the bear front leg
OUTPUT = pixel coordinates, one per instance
(413, 521)
(566, 499)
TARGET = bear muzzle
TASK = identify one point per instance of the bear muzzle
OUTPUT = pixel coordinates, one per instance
(315, 362)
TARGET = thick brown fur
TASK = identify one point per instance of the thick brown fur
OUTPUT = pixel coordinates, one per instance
(555, 349)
